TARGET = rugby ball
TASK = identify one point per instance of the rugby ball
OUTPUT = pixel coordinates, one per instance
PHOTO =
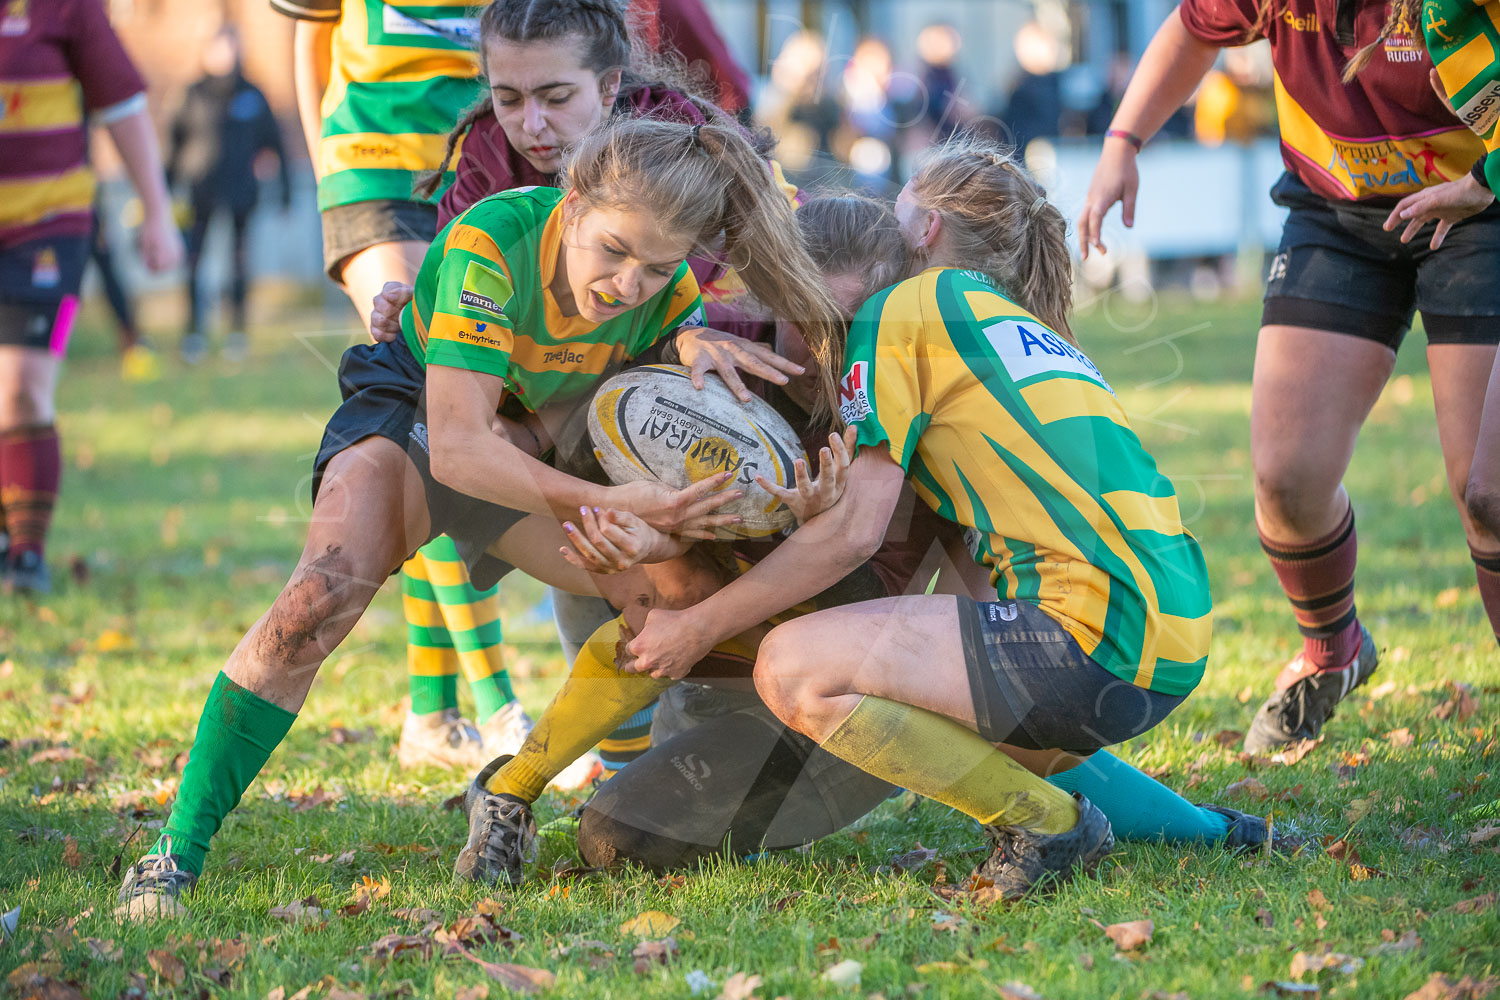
(650, 423)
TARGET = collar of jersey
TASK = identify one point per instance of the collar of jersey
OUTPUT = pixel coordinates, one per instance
(559, 327)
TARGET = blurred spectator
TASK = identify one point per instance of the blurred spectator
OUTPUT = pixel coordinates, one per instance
(220, 133)
(1236, 104)
(871, 118)
(797, 106)
(1034, 108)
(59, 59)
(938, 46)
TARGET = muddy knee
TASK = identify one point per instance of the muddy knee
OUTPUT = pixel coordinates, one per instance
(316, 609)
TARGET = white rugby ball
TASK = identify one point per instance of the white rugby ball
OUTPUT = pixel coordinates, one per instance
(650, 423)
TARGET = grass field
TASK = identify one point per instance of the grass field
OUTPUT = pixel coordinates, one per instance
(182, 514)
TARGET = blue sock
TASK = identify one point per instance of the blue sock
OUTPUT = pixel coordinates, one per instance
(1138, 806)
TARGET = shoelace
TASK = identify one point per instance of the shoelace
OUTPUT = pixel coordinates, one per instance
(155, 869)
(511, 820)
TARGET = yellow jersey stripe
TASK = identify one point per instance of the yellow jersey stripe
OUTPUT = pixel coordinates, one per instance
(377, 151)
(477, 241)
(1050, 401)
(462, 330)
(1140, 512)
(1472, 59)
(29, 200)
(1183, 639)
(40, 106)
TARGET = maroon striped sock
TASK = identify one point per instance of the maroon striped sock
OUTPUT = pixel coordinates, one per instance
(1318, 578)
(1487, 569)
(30, 472)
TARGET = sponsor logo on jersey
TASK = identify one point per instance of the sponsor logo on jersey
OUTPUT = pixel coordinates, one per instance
(1030, 349)
(458, 30)
(562, 356)
(1481, 111)
(485, 290)
(1304, 22)
(1004, 612)
(854, 394)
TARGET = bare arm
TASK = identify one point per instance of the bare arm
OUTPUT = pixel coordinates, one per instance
(312, 60)
(135, 137)
(1171, 68)
(816, 556)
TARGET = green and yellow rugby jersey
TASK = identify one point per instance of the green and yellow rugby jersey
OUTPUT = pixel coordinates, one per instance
(482, 303)
(1010, 431)
(401, 75)
(1463, 38)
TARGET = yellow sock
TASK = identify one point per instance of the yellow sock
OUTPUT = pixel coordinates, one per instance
(941, 759)
(594, 699)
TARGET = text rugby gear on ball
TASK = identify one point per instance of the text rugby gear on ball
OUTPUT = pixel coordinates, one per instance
(650, 423)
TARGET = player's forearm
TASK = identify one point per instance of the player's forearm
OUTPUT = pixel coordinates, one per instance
(487, 465)
(311, 65)
(135, 138)
(1169, 71)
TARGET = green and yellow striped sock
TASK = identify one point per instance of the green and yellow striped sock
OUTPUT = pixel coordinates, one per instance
(432, 662)
(472, 619)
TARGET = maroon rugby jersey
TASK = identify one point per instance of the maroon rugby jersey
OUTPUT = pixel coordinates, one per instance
(58, 60)
(1381, 136)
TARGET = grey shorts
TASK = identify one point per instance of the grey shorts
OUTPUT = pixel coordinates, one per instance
(723, 777)
(359, 225)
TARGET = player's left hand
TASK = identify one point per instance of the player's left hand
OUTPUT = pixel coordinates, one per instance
(612, 541)
(160, 242)
(670, 645)
(1448, 203)
(811, 497)
(704, 350)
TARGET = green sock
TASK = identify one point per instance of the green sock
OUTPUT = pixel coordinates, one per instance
(432, 694)
(1138, 806)
(236, 734)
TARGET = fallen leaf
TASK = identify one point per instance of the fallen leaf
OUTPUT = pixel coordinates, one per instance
(311, 800)
(105, 951)
(1476, 905)
(1017, 991)
(786, 901)
(740, 986)
(337, 992)
(392, 945)
(1228, 737)
(1297, 751)
(479, 992)
(1303, 963)
(650, 953)
(56, 755)
(1407, 942)
(917, 857)
(420, 915)
(1342, 850)
(1485, 833)
(1358, 809)
(1446, 598)
(339, 736)
(1265, 918)
(521, 978)
(1460, 704)
(651, 923)
(72, 858)
(845, 974)
(1130, 935)
(1440, 987)
(310, 908)
(1087, 961)
(1249, 788)
(168, 966)
(1401, 737)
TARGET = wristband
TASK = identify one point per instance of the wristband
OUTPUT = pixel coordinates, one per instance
(1135, 141)
(1477, 172)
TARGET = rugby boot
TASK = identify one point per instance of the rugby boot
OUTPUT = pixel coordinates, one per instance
(507, 729)
(26, 574)
(1305, 698)
(440, 739)
(1024, 862)
(153, 887)
(502, 834)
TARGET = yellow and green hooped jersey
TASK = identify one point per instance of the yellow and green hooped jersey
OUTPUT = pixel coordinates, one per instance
(1463, 38)
(482, 303)
(1011, 432)
(401, 75)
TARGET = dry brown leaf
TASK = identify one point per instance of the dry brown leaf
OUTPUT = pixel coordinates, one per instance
(1401, 737)
(1460, 704)
(521, 978)
(740, 986)
(1228, 737)
(105, 951)
(337, 992)
(1014, 990)
(786, 901)
(168, 966)
(392, 945)
(649, 953)
(1303, 963)
(1476, 905)
(1358, 809)
(479, 992)
(1440, 987)
(1297, 751)
(420, 915)
(309, 908)
(56, 755)
(71, 856)
(1485, 833)
(650, 923)
(1317, 900)
(912, 860)
(1249, 788)
(1265, 918)
(1130, 935)
(1396, 946)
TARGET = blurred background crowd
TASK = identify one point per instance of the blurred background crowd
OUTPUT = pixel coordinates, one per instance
(853, 89)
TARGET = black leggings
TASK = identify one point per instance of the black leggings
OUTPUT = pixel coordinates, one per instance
(197, 233)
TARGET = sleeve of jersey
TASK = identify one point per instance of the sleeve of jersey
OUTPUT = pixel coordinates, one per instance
(469, 328)
(684, 306)
(1221, 22)
(98, 60)
(1463, 37)
(309, 10)
(880, 394)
